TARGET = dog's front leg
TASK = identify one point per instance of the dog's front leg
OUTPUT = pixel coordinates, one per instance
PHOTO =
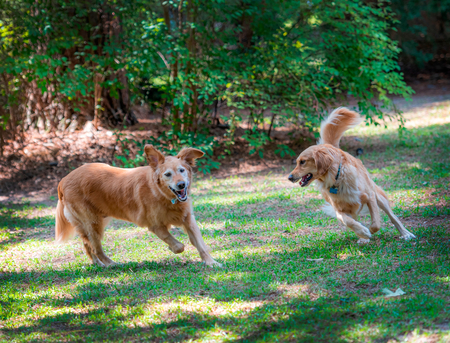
(163, 233)
(196, 239)
(361, 231)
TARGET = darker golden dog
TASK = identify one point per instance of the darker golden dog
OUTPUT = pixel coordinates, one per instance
(342, 179)
(156, 197)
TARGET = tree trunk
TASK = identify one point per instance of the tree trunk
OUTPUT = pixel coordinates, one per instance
(117, 107)
(271, 124)
(116, 103)
(191, 121)
(174, 69)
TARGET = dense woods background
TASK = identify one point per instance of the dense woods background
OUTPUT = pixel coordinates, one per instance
(65, 62)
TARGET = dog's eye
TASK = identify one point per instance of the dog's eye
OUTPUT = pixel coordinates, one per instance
(302, 161)
(169, 174)
(182, 170)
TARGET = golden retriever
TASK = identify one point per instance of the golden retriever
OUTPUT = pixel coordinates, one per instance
(342, 179)
(155, 196)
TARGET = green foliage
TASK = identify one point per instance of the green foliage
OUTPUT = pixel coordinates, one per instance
(287, 58)
(53, 55)
(292, 64)
(256, 140)
(423, 29)
(283, 150)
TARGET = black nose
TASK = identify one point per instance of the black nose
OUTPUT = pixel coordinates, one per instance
(291, 178)
(181, 185)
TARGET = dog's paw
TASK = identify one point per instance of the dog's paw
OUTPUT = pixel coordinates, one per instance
(213, 264)
(177, 248)
(110, 263)
(362, 232)
(374, 229)
(408, 236)
(363, 241)
(97, 261)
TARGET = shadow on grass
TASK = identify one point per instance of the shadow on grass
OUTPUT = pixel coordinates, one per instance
(348, 303)
(327, 319)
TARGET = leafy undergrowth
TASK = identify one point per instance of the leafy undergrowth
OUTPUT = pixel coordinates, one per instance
(263, 229)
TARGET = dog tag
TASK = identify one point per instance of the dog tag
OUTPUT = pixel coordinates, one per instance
(174, 201)
(333, 190)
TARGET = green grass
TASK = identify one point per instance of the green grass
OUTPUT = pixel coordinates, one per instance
(263, 229)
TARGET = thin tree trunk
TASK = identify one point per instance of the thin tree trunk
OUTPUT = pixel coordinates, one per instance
(174, 69)
(191, 45)
(98, 78)
(271, 124)
(11, 122)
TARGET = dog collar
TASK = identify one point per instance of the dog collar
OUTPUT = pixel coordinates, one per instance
(174, 201)
(334, 189)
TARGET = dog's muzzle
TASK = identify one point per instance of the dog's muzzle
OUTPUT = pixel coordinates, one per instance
(181, 191)
(305, 179)
(292, 178)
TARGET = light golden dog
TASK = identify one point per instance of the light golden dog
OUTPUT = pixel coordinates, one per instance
(156, 197)
(342, 179)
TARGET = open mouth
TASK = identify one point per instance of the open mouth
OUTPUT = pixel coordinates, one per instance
(181, 194)
(305, 179)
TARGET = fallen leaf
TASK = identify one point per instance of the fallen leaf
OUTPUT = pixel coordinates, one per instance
(314, 259)
(389, 293)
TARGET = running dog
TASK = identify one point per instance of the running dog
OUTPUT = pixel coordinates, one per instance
(155, 196)
(342, 179)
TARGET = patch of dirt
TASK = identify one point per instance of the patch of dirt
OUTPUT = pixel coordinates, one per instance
(33, 167)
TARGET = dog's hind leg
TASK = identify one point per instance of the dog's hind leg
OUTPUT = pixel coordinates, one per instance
(98, 229)
(163, 234)
(374, 214)
(361, 231)
(383, 202)
(89, 252)
(91, 229)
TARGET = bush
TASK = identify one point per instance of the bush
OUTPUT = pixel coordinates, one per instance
(292, 59)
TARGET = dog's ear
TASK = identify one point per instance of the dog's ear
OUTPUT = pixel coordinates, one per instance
(154, 157)
(190, 155)
(323, 159)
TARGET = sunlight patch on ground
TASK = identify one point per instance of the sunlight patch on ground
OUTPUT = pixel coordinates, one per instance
(431, 114)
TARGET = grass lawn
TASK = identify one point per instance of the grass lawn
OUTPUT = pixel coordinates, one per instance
(264, 230)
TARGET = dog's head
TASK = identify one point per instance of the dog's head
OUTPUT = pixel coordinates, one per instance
(312, 164)
(173, 173)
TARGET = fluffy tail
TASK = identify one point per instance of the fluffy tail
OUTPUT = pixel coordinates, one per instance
(63, 229)
(339, 121)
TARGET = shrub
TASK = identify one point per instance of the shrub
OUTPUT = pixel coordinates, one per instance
(288, 58)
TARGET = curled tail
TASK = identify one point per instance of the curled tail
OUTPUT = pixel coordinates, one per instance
(334, 126)
(63, 229)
